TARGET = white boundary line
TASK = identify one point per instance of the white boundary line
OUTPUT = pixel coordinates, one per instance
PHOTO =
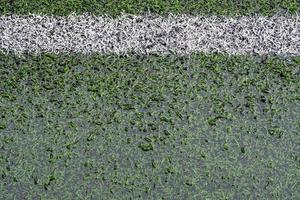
(180, 34)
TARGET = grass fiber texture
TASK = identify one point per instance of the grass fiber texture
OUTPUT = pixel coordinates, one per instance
(156, 127)
(116, 7)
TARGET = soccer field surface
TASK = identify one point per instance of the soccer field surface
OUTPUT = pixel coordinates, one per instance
(162, 122)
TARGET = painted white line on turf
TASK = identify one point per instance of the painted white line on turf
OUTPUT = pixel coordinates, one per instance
(180, 34)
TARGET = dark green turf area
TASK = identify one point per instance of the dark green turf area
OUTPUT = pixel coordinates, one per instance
(116, 7)
(156, 127)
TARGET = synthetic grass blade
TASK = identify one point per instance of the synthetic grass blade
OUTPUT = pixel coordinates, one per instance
(116, 7)
(149, 127)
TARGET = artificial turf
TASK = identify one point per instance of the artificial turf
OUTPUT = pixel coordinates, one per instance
(115, 7)
(155, 127)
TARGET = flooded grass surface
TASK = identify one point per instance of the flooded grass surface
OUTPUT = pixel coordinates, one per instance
(156, 127)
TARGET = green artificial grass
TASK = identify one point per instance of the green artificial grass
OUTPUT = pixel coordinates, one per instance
(116, 7)
(156, 127)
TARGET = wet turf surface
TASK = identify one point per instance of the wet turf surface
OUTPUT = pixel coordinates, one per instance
(112, 127)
